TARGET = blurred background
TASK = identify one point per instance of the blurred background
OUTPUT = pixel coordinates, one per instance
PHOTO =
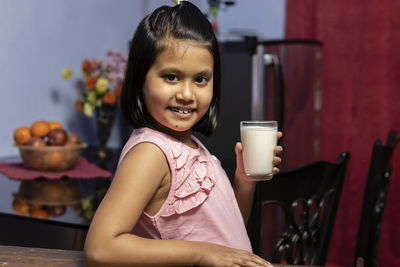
(42, 37)
(331, 80)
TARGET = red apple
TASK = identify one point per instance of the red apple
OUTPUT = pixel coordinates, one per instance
(36, 142)
(57, 137)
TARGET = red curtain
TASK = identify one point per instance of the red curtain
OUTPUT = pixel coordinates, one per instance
(360, 103)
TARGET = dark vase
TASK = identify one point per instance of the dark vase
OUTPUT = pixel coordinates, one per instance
(104, 119)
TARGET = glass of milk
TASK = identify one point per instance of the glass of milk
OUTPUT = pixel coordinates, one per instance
(259, 138)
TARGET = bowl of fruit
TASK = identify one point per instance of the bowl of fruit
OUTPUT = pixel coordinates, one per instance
(47, 146)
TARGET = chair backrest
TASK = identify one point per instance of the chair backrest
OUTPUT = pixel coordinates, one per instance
(373, 206)
(303, 203)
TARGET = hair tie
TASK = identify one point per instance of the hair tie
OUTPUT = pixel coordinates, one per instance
(177, 2)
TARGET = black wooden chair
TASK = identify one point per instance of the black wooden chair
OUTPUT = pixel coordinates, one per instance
(293, 214)
(374, 201)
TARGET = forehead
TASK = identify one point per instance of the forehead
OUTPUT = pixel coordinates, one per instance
(179, 51)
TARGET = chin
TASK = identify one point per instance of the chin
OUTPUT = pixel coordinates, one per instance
(169, 127)
(180, 127)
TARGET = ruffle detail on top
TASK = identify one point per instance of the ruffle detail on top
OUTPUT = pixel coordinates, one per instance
(193, 182)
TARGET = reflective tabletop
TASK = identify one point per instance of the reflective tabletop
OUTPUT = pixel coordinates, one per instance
(63, 200)
(51, 213)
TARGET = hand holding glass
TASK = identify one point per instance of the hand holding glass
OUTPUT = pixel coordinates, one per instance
(259, 138)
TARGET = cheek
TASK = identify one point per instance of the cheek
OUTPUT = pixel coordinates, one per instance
(152, 97)
(205, 103)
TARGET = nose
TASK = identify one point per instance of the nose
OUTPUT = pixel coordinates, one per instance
(185, 92)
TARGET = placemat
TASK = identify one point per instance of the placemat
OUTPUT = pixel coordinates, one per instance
(82, 170)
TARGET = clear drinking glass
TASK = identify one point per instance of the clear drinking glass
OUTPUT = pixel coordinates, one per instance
(259, 138)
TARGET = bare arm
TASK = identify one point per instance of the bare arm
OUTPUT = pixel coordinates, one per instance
(243, 187)
(109, 241)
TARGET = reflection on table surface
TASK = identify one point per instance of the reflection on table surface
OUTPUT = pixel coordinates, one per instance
(49, 213)
(64, 200)
(41, 198)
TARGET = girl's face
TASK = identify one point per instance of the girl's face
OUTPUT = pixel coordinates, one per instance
(179, 85)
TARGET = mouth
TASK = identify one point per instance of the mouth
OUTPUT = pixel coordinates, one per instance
(181, 110)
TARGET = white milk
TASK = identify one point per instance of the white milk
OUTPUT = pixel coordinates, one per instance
(258, 151)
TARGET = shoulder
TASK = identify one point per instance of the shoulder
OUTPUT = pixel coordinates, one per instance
(145, 155)
(145, 136)
(141, 172)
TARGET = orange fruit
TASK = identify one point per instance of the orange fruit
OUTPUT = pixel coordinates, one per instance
(40, 128)
(55, 125)
(39, 213)
(20, 206)
(22, 135)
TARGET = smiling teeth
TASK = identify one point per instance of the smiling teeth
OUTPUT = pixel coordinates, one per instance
(182, 111)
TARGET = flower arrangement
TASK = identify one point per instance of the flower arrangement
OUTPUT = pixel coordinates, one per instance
(101, 84)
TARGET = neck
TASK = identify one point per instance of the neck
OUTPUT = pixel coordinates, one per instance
(182, 136)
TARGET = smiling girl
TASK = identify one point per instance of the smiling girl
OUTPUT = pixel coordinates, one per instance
(170, 202)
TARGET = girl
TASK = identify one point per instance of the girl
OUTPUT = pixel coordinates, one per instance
(170, 202)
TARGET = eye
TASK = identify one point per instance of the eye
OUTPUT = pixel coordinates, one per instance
(201, 80)
(170, 78)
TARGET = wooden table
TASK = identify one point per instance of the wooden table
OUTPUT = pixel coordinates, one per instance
(11, 256)
(14, 256)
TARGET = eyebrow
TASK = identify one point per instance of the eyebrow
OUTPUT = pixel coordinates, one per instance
(175, 70)
(205, 73)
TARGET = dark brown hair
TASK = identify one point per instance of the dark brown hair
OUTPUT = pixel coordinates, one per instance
(183, 21)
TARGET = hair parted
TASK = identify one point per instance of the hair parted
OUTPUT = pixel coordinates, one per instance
(183, 21)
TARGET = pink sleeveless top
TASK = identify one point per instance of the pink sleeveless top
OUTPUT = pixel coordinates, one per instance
(201, 205)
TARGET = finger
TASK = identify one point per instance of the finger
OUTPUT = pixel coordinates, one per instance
(278, 149)
(244, 258)
(280, 134)
(255, 264)
(238, 148)
(277, 161)
(262, 262)
(249, 260)
(275, 170)
(239, 157)
(238, 151)
(258, 261)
